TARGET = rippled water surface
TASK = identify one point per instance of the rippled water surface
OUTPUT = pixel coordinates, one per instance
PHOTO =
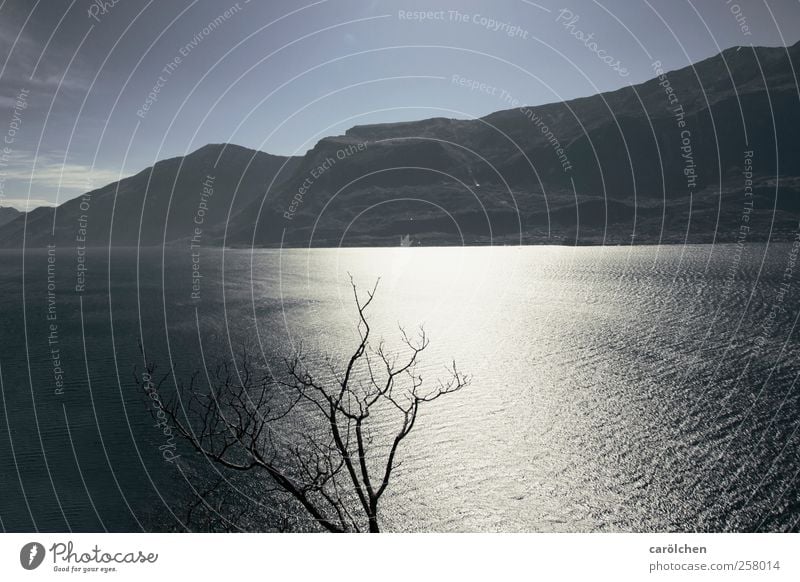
(615, 388)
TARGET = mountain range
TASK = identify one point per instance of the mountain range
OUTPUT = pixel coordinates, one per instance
(707, 153)
(7, 214)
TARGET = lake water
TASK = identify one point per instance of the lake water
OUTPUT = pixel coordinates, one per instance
(614, 388)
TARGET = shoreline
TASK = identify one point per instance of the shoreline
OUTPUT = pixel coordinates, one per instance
(175, 246)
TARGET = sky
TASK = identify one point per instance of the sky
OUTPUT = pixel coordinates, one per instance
(92, 91)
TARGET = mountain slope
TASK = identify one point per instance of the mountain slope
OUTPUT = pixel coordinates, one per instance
(637, 174)
(163, 203)
(7, 214)
(689, 155)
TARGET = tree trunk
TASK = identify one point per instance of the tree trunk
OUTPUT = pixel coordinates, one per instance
(373, 524)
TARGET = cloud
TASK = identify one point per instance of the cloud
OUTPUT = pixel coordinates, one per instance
(27, 66)
(49, 173)
(55, 81)
(73, 176)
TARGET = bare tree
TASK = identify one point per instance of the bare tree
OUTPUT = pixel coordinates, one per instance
(329, 443)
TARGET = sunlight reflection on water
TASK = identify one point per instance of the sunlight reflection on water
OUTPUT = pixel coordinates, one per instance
(598, 376)
(614, 388)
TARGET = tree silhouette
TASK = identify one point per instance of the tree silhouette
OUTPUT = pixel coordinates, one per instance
(328, 442)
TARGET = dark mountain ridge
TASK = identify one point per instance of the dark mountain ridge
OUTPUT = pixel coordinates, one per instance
(7, 214)
(163, 203)
(641, 170)
(681, 157)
